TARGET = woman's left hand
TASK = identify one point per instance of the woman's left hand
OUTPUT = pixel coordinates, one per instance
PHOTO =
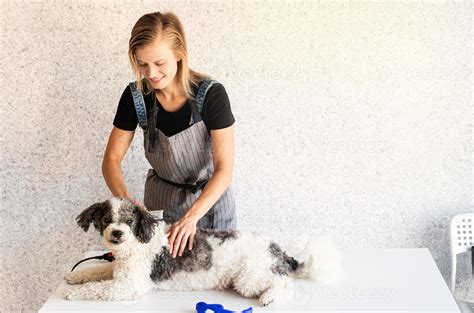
(179, 233)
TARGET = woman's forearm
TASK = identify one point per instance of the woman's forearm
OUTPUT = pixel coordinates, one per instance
(112, 172)
(213, 190)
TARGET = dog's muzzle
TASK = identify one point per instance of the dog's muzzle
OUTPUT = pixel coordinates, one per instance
(116, 237)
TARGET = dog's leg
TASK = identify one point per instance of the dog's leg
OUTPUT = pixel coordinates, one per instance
(279, 289)
(96, 273)
(109, 290)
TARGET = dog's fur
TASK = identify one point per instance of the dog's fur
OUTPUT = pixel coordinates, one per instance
(252, 265)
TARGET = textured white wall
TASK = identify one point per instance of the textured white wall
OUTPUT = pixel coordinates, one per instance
(352, 118)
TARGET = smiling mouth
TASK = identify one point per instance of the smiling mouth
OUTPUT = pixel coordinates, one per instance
(157, 80)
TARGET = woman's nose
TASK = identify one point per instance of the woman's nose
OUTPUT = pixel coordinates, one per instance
(152, 72)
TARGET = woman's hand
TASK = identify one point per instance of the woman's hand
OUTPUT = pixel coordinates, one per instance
(179, 233)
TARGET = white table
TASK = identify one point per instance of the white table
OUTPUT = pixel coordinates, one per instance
(376, 280)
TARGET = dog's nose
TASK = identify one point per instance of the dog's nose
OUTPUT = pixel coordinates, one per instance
(117, 233)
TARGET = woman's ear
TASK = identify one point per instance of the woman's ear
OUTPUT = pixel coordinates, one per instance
(87, 216)
(145, 224)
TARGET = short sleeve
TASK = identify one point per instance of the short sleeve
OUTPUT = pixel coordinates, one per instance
(217, 112)
(126, 116)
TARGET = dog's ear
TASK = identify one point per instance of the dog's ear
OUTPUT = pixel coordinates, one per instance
(145, 224)
(87, 216)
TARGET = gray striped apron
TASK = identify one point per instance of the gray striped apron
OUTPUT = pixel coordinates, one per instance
(181, 165)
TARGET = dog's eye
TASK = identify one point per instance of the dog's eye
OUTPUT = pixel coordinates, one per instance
(106, 220)
(129, 222)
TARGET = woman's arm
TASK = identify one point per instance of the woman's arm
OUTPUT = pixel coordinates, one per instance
(117, 147)
(222, 147)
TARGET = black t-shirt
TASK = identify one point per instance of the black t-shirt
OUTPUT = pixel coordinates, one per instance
(216, 112)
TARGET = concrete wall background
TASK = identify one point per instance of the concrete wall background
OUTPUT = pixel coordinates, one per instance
(352, 118)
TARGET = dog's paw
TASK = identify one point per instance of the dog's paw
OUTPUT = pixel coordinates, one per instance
(71, 294)
(74, 278)
(265, 299)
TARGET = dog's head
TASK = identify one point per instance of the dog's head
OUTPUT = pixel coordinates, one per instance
(119, 221)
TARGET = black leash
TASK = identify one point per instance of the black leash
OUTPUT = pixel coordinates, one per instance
(107, 256)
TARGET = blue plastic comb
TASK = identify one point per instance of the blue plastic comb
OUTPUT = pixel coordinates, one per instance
(201, 307)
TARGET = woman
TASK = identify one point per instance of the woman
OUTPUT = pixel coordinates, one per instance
(188, 133)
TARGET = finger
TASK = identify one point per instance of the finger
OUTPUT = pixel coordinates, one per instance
(171, 239)
(183, 244)
(190, 242)
(177, 243)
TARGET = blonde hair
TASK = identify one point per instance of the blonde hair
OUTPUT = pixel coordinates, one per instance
(167, 27)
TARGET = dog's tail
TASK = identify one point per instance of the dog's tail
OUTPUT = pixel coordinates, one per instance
(320, 260)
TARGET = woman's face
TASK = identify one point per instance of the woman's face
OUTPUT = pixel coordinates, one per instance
(157, 63)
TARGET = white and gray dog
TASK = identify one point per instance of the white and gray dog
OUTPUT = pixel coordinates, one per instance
(251, 265)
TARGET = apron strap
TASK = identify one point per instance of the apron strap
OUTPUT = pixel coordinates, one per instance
(139, 105)
(192, 188)
(201, 94)
(140, 108)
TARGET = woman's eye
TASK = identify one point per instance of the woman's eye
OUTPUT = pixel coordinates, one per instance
(142, 65)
